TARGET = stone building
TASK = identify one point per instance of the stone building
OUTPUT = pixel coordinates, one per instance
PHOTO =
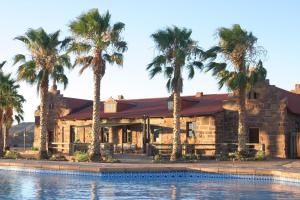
(209, 123)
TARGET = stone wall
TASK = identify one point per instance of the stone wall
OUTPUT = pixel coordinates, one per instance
(204, 130)
(267, 112)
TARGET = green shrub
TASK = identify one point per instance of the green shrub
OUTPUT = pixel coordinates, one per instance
(157, 157)
(260, 155)
(81, 156)
(110, 159)
(244, 155)
(58, 157)
(222, 156)
(189, 157)
(11, 155)
(34, 149)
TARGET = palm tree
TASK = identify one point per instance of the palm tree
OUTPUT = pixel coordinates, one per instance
(96, 42)
(177, 52)
(58, 73)
(44, 49)
(13, 111)
(240, 69)
(10, 107)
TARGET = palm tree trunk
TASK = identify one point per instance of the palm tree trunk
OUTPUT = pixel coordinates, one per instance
(95, 142)
(242, 137)
(1, 133)
(43, 153)
(176, 126)
(6, 136)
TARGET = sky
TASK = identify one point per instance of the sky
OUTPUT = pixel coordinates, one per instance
(275, 23)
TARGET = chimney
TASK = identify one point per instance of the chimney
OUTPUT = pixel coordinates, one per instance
(120, 97)
(267, 81)
(297, 89)
(199, 94)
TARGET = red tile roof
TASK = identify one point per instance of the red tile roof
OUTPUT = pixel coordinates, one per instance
(293, 100)
(76, 104)
(156, 107)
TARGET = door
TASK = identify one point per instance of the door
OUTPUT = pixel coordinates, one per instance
(72, 134)
(298, 145)
(292, 146)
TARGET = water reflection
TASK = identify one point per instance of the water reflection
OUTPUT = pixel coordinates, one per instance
(29, 186)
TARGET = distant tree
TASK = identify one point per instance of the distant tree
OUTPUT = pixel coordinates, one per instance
(11, 107)
(44, 49)
(176, 52)
(96, 42)
(240, 70)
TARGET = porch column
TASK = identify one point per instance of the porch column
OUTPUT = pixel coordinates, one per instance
(111, 135)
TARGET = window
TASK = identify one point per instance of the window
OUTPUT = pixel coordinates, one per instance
(252, 95)
(190, 129)
(62, 135)
(156, 135)
(298, 126)
(253, 135)
(72, 134)
(170, 104)
(37, 120)
(110, 107)
(126, 135)
(104, 135)
(51, 106)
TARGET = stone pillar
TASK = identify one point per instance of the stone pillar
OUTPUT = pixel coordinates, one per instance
(111, 135)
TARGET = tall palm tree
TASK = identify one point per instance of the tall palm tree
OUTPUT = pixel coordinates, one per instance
(44, 49)
(3, 90)
(240, 70)
(176, 52)
(96, 42)
(58, 73)
(10, 107)
(13, 111)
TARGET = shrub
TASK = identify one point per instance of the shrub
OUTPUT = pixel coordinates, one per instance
(260, 155)
(244, 155)
(34, 149)
(58, 157)
(81, 156)
(222, 156)
(157, 157)
(110, 159)
(11, 155)
(189, 157)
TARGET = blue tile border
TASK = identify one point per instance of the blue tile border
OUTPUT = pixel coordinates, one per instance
(163, 175)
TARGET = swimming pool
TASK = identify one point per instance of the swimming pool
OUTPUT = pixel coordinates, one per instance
(18, 183)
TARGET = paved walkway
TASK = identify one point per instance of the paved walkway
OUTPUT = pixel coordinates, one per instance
(285, 168)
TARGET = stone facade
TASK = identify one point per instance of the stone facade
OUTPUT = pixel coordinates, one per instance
(271, 125)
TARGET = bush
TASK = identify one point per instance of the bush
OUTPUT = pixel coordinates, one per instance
(81, 156)
(58, 157)
(189, 157)
(260, 155)
(11, 155)
(110, 159)
(157, 157)
(244, 155)
(34, 149)
(222, 156)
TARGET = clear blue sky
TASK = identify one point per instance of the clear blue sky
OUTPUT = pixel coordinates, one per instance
(275, 23)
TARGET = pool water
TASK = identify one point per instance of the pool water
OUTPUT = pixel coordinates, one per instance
(23, 185)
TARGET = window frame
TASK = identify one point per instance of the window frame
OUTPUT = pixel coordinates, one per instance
(104, 134)
(190, 131)
(126, 135)
(156, 132)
